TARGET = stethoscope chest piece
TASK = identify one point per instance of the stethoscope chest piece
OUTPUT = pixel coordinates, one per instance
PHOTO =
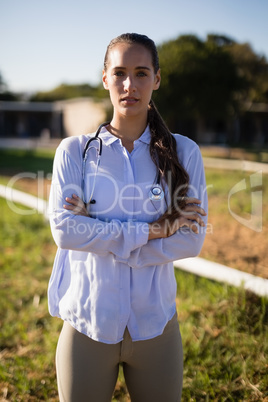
(156, 193)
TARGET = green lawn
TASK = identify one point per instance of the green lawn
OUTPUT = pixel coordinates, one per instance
(224, 329)
(13, 161)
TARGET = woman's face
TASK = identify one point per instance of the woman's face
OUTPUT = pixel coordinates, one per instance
(130, 79)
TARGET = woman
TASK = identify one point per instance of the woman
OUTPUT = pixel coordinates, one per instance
(119, 221)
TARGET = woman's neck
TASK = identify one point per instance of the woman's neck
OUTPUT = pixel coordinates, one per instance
(127, 129)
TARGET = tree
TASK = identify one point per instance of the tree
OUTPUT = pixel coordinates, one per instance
(3, 86)
(69, 91)
(253, 69)
(5, 94)
(200, 79)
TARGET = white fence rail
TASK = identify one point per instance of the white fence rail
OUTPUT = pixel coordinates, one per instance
(197, 266)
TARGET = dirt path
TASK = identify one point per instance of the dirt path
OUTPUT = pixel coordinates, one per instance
(237, 246)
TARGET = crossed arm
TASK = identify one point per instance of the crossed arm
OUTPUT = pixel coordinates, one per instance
(165, 226)
(134, 243)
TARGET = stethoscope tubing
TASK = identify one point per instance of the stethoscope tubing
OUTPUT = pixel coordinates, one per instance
(95, 138)
(156, 192)
(99, 152)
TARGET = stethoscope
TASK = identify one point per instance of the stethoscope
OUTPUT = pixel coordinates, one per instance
(156, 192)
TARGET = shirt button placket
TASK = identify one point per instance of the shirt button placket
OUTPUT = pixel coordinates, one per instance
(124, 298)
(125, 270)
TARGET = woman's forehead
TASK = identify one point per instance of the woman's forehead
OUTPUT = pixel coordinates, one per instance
(124, 54)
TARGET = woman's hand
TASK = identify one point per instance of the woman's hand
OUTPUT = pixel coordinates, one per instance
(76, 205)
(168, 223)
(163, 227)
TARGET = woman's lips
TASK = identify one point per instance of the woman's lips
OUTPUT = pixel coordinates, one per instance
(129, 100)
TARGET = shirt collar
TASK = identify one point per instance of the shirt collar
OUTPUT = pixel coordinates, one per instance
(109, 138)
(146, 136)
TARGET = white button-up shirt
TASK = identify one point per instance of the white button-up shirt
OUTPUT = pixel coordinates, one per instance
(106, 274)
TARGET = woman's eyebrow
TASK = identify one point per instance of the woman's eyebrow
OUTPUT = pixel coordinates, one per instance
(136, 68)
(143, 68)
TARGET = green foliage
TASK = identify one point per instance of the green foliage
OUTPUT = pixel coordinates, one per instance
(3, 86)
(8, 96)
(5, 94)
(208, 79)
(220, 40)
(199, 79)
(68, 91)
(253, 69)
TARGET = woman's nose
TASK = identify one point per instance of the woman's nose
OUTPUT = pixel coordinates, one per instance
(129, 84)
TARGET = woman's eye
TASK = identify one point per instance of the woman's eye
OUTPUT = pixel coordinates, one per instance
(119, 73)
(141, 74)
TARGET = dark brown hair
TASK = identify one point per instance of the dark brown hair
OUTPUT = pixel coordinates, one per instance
(163, 147)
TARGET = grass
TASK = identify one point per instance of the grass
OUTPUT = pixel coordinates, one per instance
(224, 332)
(13, 161)
(28, 335)
(224, 329)
(253, 154)
(221, 182)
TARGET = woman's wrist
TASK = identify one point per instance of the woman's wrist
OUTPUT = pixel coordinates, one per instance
(156, 231)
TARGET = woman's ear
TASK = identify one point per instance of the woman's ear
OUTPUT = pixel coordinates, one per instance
(157, 80)
(104, 80)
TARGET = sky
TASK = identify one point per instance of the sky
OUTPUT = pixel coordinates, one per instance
(46, 43)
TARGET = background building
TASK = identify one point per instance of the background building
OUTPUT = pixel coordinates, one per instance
(46, 120)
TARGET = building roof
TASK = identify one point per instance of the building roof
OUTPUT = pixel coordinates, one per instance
(22, 106)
